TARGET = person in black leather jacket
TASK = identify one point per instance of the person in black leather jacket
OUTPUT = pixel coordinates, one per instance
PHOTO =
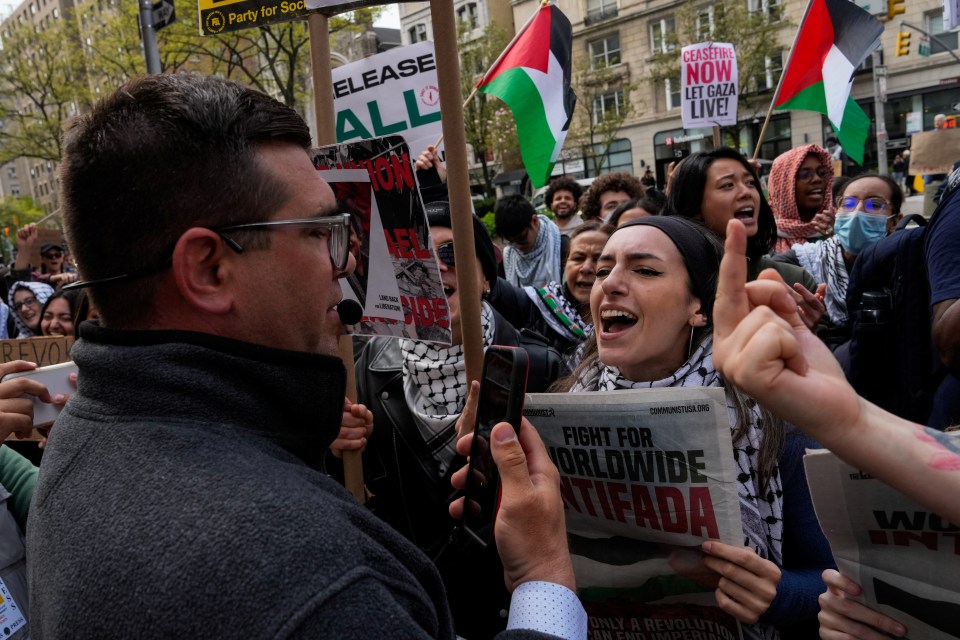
(416, 391)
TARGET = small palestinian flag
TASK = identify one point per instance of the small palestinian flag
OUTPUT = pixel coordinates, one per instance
(835, 36)
(532, 76)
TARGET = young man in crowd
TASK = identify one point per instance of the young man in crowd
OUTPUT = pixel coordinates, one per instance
(536, 250)
(562, 198)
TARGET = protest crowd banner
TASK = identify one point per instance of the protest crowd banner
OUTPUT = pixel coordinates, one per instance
(899, 552)
(708, 81)
(646, 476)
(397, 281)
(391, 93)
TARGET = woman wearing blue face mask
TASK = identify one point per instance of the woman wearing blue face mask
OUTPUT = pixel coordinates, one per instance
(867, 210)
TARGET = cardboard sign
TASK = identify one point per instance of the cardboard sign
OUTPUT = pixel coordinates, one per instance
(392, 93)
(933, 152)
(708, 80)
(43, 351)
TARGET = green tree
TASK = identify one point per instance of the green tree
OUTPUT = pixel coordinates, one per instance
(604, 103)
(16, 211)
(480, 114)
(756, 39)
(42, 85)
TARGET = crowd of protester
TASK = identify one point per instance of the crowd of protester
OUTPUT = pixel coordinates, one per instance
(618, 286)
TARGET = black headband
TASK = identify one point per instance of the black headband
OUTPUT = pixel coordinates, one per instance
(700, 254)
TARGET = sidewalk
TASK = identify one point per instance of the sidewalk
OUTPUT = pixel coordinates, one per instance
(912, 204)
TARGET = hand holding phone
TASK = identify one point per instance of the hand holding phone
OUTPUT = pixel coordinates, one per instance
(55, 378)
(502, 390)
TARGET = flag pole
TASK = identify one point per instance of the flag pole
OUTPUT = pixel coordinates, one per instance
(543, 4)
(786, 66)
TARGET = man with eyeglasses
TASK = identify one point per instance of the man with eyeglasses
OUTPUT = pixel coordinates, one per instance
(536, 249)
(182, 493)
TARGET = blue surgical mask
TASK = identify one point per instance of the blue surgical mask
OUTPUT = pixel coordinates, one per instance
(857, 230)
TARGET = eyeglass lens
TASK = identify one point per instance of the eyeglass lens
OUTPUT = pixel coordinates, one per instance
(807, 174)
(445, 254)
(52, 255)
(26, 302)
(874, 204)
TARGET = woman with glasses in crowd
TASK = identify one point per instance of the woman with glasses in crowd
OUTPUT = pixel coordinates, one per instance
(26, 301)
(800, 195)
(867, 209)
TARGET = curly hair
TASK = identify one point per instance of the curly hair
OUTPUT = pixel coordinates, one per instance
(562, 184)
(619, 181)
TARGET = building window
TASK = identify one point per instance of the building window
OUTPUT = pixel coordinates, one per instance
(707, 19)
(935, 26)
(771, 8)
(418, 33)
(598, 10)
(772, 68)
(56, 12)
(468, 15)
(33, 9)
(618, 157)
(607, 103)
(672, 91)
(663, 36)
(605, 52)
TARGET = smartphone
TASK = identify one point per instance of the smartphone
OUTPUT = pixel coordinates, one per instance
(56, 378)
(502, 389)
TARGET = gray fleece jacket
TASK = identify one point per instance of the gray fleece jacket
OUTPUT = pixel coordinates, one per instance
(177, 500)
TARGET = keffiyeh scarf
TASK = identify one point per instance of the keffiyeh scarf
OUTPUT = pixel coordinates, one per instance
(824, 261)
(761, 512)
(542, 264)
(782, 187)
(435, 386)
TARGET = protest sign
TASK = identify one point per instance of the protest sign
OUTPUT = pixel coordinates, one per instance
(42, 351)
(934, 151)
(904, 556)
(708, 80)
(397, 281)
(392, 93)
(646, 476)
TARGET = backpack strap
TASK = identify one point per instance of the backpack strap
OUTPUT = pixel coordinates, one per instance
(913, 218)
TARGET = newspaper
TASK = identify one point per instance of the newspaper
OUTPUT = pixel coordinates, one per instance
(904, 556)
(645, 476)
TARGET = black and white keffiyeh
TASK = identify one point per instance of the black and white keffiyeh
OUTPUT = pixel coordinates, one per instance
(824, 261)
(435, 386)
(761, 511)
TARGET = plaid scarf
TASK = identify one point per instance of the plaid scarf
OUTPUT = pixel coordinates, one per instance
(782, 189)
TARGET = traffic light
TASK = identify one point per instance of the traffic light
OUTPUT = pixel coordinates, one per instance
(903, 43)
(895, 8)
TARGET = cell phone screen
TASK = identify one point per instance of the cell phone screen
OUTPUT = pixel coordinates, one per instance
(501, 400)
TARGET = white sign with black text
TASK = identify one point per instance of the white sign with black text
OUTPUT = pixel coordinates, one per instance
(708, 81)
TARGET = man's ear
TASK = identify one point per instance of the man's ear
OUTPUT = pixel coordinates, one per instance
(200, 270)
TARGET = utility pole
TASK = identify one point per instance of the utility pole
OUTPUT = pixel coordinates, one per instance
(150, 52)
(879, 110)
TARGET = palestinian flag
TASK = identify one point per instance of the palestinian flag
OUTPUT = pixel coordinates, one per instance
(835, 36)
(532, 76)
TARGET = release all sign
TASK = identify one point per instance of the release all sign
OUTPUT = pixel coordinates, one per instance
(708, 81)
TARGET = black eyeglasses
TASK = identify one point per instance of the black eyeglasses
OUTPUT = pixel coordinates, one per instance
(26, 302)
(873, 204)
(807, 174)
(445, 254)
(336, 228)
(53, 255)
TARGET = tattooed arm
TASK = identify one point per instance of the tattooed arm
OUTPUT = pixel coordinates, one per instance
(762, 345)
